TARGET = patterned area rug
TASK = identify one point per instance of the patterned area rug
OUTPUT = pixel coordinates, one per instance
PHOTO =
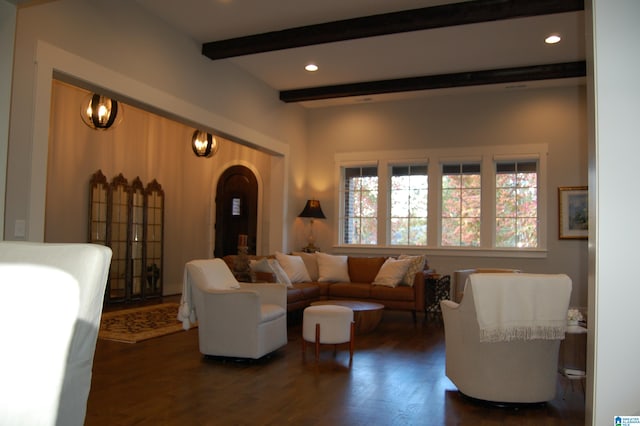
(137, 324)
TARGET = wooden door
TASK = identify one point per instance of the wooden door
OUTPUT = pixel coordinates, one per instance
(236, 210)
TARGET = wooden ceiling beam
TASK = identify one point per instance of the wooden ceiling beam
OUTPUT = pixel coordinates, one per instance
(442, 81)
(446, 15)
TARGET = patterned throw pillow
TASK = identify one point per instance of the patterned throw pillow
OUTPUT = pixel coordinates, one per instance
(417, 265)
(391, 272)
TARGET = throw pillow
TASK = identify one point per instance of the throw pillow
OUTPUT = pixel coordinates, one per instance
(281, 275)
(417, 265)
(310, 262)
(261, 265)
(391, 272)
(294, 267)
(332, 268)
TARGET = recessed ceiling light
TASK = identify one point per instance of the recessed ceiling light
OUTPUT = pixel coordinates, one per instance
(311, 67)
(553, 39)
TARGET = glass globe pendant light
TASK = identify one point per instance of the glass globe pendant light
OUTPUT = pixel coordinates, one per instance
(204, 144)
(100, 112)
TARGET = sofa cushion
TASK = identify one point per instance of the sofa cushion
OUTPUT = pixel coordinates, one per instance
(401, 293)
(294, 295)
(332, 268)
(392, 272)
(356, 291)
(310, 291)
(294, 267)
(364, 269)
(310, 263)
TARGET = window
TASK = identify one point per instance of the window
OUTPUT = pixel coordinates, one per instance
(517, 204)
(360, 205)
(489, 200)
(461, 208)
(409, 197)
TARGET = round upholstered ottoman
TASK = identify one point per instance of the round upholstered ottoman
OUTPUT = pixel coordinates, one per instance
(328, 324)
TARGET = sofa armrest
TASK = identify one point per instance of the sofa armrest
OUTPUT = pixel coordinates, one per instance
(419, 291)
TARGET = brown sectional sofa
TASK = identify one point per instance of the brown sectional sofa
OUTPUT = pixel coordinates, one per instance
(362, 272)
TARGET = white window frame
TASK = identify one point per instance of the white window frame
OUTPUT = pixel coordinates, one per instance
(487, 156)
(387, 218)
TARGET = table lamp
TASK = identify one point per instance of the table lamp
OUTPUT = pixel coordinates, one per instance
(312, 210)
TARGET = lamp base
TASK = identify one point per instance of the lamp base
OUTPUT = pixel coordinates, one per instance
(310, 248)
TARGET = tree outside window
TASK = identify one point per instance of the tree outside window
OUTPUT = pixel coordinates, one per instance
(517, 204)
(409, 213)
(461, 208)
(361, 205)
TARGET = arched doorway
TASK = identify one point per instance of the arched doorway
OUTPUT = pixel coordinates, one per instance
(236, 210)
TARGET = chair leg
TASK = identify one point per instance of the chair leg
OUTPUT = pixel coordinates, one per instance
(317, 342)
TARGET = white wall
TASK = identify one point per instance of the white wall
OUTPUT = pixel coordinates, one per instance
(614, 289)
(147, 63)
(554, 116)
(150, 147)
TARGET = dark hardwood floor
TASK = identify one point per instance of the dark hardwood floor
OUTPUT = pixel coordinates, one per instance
(396, 378)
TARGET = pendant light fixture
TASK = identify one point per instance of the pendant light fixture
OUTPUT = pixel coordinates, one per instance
(204, 144)
(100, 112)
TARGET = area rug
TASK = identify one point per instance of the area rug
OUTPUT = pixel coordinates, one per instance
(138, 324)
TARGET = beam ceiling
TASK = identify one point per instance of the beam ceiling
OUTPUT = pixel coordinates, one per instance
(446, 15)
(443, 81)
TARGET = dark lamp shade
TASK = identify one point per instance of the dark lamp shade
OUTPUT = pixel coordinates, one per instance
(312, 209)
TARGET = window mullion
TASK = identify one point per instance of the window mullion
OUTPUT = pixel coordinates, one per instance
(384, 202)
(434, 221)
(488, 190)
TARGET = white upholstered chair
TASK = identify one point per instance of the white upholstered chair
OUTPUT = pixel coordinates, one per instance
(502, 339)
(240, 320)
(57, 293)
(460, 279)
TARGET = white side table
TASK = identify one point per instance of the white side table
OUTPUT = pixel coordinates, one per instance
(573, 373)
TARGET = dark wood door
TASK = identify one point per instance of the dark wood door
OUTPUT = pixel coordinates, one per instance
(236, 210)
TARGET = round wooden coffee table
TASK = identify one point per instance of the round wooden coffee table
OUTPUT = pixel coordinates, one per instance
(366, 315)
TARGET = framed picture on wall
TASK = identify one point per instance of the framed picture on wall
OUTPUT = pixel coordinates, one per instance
(573, 209)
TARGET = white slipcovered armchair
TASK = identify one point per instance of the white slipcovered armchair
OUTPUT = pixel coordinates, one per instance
(240, 320)
(502, 339)
(52, 305)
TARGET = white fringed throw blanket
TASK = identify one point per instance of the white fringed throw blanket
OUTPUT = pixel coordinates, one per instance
(521, 306)
(186, 312)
